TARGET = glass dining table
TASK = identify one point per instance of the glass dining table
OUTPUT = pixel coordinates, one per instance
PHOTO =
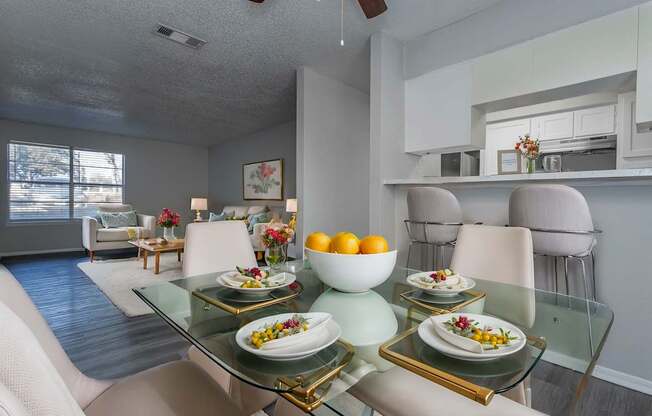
(379, 332)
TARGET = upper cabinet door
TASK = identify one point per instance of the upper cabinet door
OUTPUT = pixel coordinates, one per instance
(644, 73)
(553, 126)
(439, 117)
(593, 50)
(502, 136)
(595, 121)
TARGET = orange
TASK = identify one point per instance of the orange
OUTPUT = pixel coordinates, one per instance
(318, 241)
(373, 244)
(345, 243)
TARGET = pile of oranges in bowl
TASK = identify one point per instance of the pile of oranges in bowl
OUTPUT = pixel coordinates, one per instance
(346, 242)
(348, 264)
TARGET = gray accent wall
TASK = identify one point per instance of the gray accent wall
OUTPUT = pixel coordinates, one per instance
(157, 175)
(226, 160)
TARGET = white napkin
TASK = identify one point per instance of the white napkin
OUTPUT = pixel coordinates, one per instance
(314, 329)
(457, 340)
(236, 279)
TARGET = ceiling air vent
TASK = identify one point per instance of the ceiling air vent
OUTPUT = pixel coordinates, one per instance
(179, 36)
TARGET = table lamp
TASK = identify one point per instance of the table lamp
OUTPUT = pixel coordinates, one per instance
(198, 204)
(291, 206)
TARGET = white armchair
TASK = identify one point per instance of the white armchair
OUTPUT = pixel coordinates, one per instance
(95, 237)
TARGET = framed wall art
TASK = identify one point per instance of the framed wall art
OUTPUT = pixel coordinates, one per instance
(263, 180)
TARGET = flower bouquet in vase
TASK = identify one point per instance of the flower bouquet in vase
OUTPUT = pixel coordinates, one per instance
(529, 149)
(275, 239)
(168, 219)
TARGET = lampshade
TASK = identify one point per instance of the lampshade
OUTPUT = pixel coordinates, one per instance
(200, 204)
(291, 205)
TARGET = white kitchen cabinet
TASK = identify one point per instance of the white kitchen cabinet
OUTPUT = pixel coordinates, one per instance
(553, 126)
(644, 73)
(502, 74)
(502, 136)
(439, 117)
(634, 148)
(593, 50)
(597, 121)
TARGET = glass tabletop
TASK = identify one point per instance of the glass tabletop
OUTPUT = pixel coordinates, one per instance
(564, 330)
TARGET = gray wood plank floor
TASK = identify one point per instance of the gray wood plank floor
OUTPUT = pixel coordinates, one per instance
(104, 343)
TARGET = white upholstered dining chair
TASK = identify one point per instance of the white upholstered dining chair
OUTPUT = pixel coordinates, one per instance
(38, 378)
(502, 255)
(217, 246)
(212, 247)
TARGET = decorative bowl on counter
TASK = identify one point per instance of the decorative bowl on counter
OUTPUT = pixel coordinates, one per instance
(353, 273)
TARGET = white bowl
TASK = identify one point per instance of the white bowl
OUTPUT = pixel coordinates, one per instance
(413, 280)
(352, 273)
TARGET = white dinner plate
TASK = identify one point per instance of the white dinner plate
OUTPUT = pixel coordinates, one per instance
(322, 338)
(413, 280)
(289, 278)
(429, 336)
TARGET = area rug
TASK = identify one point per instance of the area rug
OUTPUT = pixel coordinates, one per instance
(117, 278)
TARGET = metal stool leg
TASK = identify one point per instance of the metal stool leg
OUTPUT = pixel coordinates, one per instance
(407, 262)
(588, 304)
(593, 279)
(436, 257)
(555, 282)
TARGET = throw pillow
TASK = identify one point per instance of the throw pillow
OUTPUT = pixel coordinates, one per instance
(216, 217)
(261, 218)
(119, 219)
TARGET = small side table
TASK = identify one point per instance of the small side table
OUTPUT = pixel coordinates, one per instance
(150, 246)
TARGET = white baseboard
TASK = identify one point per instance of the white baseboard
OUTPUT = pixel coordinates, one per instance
(604, 373)
(30, 252)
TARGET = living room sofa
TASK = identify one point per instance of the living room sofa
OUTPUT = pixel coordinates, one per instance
(95, 237)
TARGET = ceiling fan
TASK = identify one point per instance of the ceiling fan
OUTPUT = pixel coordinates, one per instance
(371, 8)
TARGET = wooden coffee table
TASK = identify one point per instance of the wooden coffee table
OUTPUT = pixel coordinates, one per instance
(149, 246)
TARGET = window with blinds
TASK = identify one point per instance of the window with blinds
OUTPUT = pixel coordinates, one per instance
(54, 182)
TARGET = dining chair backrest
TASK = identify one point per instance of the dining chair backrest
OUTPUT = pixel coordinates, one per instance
(556, 208)
(13, 297)
(502, 255)
(437, 205)
(217, 246)
(28, 373)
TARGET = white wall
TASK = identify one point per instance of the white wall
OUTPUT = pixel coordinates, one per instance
(387, 133)
(226, 160)
(157, 175)
(507, 23)
(332, 156)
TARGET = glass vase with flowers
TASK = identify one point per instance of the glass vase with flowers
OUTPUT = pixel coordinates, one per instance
(529, 150)
(275, 239)
(168, 219)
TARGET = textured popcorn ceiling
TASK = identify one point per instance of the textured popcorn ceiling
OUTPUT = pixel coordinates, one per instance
(95, 64)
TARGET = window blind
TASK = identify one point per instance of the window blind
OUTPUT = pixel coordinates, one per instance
(55, 182)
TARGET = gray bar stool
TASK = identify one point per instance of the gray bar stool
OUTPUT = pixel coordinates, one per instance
(561, 226)
(435, 217)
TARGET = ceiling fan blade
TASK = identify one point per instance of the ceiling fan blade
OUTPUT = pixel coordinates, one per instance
(257, 1)
(373, 8)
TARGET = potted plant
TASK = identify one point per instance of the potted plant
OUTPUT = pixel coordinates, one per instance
(168, 219)
(529, 149)
(275, 239)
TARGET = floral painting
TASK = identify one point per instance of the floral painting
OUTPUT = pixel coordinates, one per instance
(263, 180)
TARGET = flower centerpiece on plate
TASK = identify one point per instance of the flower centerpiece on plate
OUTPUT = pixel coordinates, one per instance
(275, 239)
(529, 149)
(168, 219)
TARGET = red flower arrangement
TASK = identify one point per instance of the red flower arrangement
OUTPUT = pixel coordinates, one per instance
(528, 147)
(168, 218)
(277, 236)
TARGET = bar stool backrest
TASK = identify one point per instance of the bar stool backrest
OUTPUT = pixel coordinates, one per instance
(559, 209)
(435, 205)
